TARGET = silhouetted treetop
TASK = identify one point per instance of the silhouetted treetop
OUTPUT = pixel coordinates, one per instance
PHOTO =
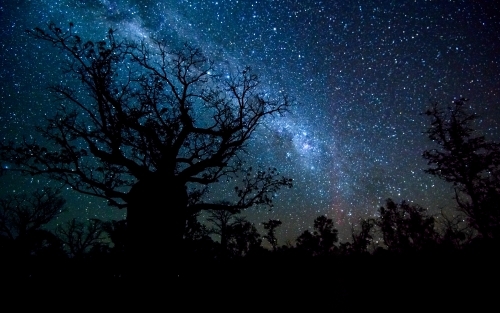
(22, 220)
(466, 159)
(362, 239)
(322, 240)
(23, 213)
(80, 237)
(144, 109)
(271, 226)
(149, 129)
(406, 227)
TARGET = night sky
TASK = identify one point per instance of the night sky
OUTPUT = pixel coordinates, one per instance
(360, 72)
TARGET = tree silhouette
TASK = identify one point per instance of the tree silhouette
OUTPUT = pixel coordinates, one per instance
(149, 129)
(222, 221)
(362, 239)
(271, 226)
(237, 235)
(455, 232)
(406, 227)
(22, 217)
(197, 241)
(117, 233)
(79, 237)
(321, 242)
(195, 230)
(467, 160)
(245, 238)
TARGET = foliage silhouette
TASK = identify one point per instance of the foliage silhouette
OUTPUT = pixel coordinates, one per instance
(362, 240)
(245, 238)
(198, 245)
(237, 236)
(80, 238)
(406, 227)
(117, 233)
(222, 222)
(467, 160)
(196, 230)
(321, 242)
(149, 130)
(22, 217)
(271, 226)
(455, 233)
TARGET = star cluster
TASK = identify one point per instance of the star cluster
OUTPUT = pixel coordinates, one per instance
(360, 72)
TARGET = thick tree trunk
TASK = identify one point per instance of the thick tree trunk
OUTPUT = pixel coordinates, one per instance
(156, 218)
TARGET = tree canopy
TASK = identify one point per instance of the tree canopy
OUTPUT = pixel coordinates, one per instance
(150, 128)
(140, 109)
(469, 161)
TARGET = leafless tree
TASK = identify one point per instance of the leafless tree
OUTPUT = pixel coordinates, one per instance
(23, 213)
(22, 217)
(79, 237)
(149, 129)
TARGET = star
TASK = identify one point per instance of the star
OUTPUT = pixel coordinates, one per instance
(360, 74)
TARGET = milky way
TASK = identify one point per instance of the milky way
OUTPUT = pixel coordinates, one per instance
(360, 73)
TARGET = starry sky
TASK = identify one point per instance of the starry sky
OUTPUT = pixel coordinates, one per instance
(360, 72)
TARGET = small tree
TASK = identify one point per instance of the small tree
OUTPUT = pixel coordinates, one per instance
(406, 227)
(455, 232)
(23, 213)
(322, 240)
(237, 235)
(245, 238)
(195, 230)
(361, 240)
(117, 233)
(222, 221)
(22, 217)
(271, 226)
(198, 245)
(79, 237)
(469, 162)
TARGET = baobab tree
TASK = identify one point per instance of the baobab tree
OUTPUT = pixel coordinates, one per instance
(149, 129)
